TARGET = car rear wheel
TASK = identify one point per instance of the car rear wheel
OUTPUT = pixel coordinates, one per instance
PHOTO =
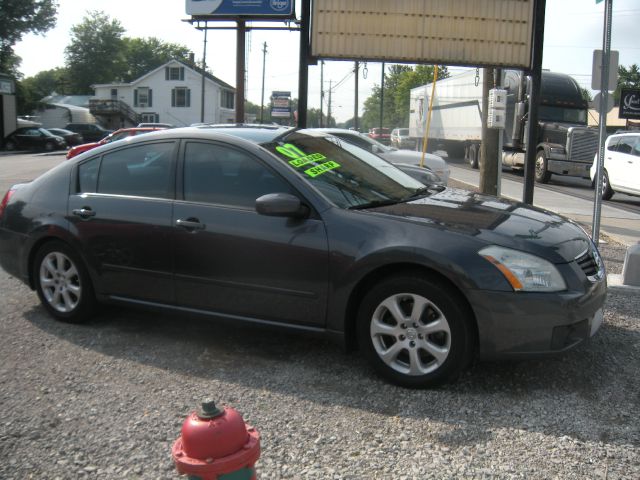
(49, 146)
(63, 284)
(607, 191)
(414, 332)
(10, 145)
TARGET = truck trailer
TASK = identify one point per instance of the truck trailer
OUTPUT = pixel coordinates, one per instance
(565, 145)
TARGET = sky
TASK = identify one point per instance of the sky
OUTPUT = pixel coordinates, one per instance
(573, 29)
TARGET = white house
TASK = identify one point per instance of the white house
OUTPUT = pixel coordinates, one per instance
(172, 93)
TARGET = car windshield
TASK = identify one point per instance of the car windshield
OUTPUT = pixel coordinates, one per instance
(561, 114)
(347, 175)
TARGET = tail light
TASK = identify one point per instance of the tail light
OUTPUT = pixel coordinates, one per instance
(5, 200)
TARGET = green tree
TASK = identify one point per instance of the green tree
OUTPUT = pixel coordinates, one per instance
(142, 55)
(96, 52)
(627, 78)
(399, 80)
(18, 18)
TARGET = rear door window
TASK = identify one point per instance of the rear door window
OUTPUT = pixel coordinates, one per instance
(142, 170)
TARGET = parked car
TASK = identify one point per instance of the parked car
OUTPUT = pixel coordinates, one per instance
(294, 229)
(621, 165)
(112, 137)
(33, 138)
(91, 132)
(71, 138)
(382, 135)
(400, 138)
(436, 163)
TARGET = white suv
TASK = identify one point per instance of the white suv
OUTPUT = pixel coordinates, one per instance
(621, 165)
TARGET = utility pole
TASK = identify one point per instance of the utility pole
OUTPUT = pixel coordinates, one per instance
(329, 107)
(489, 146)
(264, 60)
(240, 74)
(305, 48)
(382, 97)
(204, 72)
(355, 103)
(321, 89)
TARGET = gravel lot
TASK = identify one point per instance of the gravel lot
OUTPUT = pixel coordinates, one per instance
(106, 400)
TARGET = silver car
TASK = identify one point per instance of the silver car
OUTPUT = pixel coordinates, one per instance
(436, 163)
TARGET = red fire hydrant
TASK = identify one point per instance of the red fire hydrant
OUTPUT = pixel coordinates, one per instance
(216, 445)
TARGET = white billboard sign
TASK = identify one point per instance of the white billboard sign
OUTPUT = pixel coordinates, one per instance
(449, 32)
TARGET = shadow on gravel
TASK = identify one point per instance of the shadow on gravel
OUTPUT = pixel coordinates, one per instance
(590, 394)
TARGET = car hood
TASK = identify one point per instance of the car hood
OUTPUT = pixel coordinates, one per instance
(496, 221)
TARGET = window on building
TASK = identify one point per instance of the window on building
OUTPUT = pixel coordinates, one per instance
(227, 99)
(150, 117)
(181, 97)
(143, 97)
(174, 73)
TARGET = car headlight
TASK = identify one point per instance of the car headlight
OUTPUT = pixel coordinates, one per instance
(523, 271)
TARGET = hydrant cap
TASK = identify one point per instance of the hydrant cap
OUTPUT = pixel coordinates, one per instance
(208, 409)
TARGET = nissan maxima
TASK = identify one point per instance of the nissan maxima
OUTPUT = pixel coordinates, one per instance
(301, 229)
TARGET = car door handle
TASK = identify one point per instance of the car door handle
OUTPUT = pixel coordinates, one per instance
(190, 224)
(84, 212)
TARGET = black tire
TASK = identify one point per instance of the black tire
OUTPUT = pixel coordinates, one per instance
(49, 146)
(472, 155)
(444, 323)
(62, 283)
(607, 191)
(10, 145)
(542, 173)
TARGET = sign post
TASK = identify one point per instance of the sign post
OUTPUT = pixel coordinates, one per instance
(604, 90)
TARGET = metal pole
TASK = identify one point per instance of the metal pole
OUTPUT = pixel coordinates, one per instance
(382, 96)
(204, 72)
(264, 61)
(534, 100)
(303, 78)
(355, 103)
(604, 92)
(240, 62)
(329, 107)
(321, 89)
(425, 139)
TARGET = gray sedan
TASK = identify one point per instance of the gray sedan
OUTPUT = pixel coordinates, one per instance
(296, 229)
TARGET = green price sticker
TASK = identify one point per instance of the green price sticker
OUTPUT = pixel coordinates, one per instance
(322, 168)
(302, 161)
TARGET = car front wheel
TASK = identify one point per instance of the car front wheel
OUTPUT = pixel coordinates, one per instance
(414, 332)
(62, 283)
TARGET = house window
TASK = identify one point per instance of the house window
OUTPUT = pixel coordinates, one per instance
(150, 118)
(174, 73)
(114, 94)
(227, 99)
(181, 97)
(143, 97)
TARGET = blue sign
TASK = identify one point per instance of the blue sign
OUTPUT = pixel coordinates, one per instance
(241, 8)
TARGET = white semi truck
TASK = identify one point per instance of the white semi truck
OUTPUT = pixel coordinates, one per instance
(565, 145)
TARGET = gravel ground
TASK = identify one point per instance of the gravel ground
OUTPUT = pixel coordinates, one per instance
(106, 400)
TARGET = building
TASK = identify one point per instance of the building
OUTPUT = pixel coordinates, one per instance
(172, 93)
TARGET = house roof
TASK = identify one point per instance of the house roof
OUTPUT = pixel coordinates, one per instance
(75, 100)
(193, 68)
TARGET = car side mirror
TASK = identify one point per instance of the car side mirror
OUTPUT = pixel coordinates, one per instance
(281, 205)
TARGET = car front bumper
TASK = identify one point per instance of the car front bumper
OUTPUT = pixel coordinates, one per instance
(517, 324)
